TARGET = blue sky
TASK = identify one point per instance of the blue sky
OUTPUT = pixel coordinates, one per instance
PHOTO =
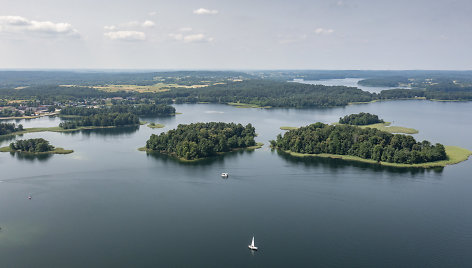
(297, 34)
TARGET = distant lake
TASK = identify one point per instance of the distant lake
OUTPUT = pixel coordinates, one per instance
(348, 82)
(109, 205)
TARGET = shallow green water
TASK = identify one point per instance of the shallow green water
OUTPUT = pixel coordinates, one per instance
(109, 205)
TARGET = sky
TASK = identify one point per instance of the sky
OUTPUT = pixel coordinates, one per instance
(236, 35)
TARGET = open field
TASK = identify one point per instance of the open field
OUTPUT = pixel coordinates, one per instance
(159, 87)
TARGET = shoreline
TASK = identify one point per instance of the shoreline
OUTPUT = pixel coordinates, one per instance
(257, 146)
(58, 129)
(455, 155)
(380, 126)
(57, 150)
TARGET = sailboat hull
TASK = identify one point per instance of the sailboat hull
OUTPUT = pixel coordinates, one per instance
(252, 247)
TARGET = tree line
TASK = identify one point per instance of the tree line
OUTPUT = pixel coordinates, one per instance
(200, 140)
(7, 128)
(368, 143)
(32, 145)
(110, 119)
(270, 93)
(360, 119)
(140, 110)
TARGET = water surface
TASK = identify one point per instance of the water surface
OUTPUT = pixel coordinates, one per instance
(109, 205)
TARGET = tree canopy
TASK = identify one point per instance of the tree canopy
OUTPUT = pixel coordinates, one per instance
(110, 119)
(200, 140)
(32, 145)
(360, 119)
(368, 143)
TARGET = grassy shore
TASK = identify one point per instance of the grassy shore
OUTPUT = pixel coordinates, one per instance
(455, 155)
(54, 129)
(392, 129)
(257, 146)
(386, 126)
(380, 126)
(247, 105)
(154, 125)
(57, 150)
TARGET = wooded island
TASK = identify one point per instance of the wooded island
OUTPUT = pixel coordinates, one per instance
(201, 140)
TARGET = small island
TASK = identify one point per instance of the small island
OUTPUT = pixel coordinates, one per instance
(360, 119)
(367, 120)
(154, 125)
(201, 140)
(367, 145)
(34, 146)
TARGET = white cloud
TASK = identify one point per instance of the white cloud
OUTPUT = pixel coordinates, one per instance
(148, 23)
(109, 28)
(204, 11)
(185, 29)
(323, 31)
(21, 24)
(130, 25)
(152, 13)
(191, 38)
(126, 35)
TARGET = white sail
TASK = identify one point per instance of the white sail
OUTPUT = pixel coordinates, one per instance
(252, 244)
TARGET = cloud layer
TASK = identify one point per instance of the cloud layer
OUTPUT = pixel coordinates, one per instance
(17, 24)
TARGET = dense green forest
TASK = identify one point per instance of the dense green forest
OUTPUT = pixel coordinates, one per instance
(200, 140)
(368, 143)
(32, 145)
(360, 119)
(271, 93)
(140, 110)
(7, 128)
(391, 81)
(102, 120)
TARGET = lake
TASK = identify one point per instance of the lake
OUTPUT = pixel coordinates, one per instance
(110, 205)
(348, 82)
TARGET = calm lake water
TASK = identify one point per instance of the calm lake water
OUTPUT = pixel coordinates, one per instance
(348, 82)
(109, 205)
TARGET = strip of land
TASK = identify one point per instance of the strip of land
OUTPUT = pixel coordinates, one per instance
(55, 129)
(247, 105)
(57, 150)
(454, 154)
(153, 125)
(380, 126)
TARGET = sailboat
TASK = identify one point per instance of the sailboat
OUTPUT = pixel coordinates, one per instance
(252, 246)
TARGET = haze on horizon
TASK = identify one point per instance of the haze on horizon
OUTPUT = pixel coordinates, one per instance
(207, 34)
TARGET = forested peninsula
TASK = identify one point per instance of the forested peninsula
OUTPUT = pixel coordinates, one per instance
(359, 143)
(34, 146)
(201, 140)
